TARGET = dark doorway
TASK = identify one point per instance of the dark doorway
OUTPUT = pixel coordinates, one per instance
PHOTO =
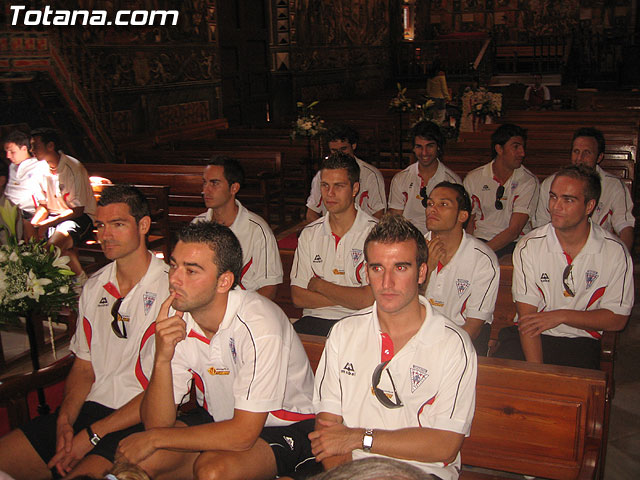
(244, 59)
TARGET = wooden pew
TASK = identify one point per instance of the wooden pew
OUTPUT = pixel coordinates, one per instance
(540, 420)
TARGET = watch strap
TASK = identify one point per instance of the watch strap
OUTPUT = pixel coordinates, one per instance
(94, 438)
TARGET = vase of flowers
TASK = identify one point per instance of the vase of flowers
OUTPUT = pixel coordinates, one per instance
(480, 104)
(307, 124)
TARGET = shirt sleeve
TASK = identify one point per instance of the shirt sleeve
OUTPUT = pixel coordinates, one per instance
(523, 286)
(453, 406)
(314, 202)
(486, 280)
(79, 344)
(525, 198)
(79, 190)
(618, 296)
(397, 198)
(476, 208)
(542, 211)
(301, 270)
(622, 208)
(266, 268)
(377, 199)
(327, 395)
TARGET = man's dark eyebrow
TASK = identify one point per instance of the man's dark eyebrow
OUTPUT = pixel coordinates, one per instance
(403, 264)
(563, 196)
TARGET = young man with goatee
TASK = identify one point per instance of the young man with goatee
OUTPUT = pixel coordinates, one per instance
(464, 275)
(103, 390)
(396, 379)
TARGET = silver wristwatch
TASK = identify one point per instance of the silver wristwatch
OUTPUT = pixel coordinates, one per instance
(94, 438)
(367, 440)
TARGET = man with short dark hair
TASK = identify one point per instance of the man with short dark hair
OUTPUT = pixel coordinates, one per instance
(396, 375)
(103, 390)
(66, 214)
(504, 194)
(614, 209)
(411, 185)
(249, 367)
(464, 275)
(572, 280)
(327, 275)
(261, 263)
(371, 197)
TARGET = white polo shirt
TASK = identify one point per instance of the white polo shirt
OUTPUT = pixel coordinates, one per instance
(601, 277)
(23, 184)
(254, 362)
(520, 196)
(467, 286)
(261, 263)
(337, 260)
(69, 188)
(404, 193)
(434, 374)
(122, 366)
(371, 197)
(614, 210)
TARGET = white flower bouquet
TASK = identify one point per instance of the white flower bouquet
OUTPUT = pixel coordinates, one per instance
(34, 277)
(307, 124)
(400, 103)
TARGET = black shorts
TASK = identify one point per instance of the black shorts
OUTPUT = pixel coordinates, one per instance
(292, 449)
(41, 432)
(79, 229)
(314, 325)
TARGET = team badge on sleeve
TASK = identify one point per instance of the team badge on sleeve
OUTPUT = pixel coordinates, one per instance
(591, 277)
(462, 286)
(148, 298)
(418, 376)
(356, 255)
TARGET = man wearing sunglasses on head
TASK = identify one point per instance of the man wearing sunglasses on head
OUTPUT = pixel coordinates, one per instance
(396, 379)
(572, 280)
(115, 321)
(504, 194)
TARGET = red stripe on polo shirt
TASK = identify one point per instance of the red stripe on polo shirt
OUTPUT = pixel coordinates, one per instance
(464, 306)
(387, 348)
(142, 378)
(336, 238)
(428, 402)
(292, 416)
(604, 219)
(86, 326)
(363, 197)
(245, 269)
(112, 289)
(358, 276)
(476, 201)
(193, 334)
(197, 380)
(596, 295)
(440, 266)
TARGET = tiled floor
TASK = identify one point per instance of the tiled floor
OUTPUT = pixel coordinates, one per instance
(623, 452)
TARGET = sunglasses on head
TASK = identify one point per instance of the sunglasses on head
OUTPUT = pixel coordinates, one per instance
(499, 194)
(379, 393)
(115, 326)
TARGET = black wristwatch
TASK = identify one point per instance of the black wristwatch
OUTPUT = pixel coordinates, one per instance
(93, 437)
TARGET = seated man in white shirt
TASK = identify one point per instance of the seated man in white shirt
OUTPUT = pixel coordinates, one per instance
(537, 96)
(572, 280)
(249, 367)
(396, 379)
(614, 211)
(25, 176)
(66, 213)
(504, 194)
(371, 197)
(261, 263)
(327, 275)
(409, 186)
(464, 274)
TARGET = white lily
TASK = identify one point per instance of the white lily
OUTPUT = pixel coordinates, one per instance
(36, 285)
(9, 214)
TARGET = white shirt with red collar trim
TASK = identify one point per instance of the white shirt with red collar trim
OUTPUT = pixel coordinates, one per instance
(261, 263)
(68, 188)
(371, 198)
(122, 366)
(340, 261)
(467, 286)
(405, 188)
(23, 184)
(254, 362)
(614, 210)
(520, 196)
(434, 376)
(601, 276)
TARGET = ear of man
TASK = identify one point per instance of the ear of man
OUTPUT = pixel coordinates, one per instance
(144, 225)
(225, 282)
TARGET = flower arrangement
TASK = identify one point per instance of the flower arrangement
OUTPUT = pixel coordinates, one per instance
(425, 111)
(307, 124)
(400, 103)
(34, 278)
(481, 102)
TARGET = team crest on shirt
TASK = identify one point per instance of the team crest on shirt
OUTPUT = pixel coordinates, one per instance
(218, 371)
(103, 302)
(356, 255)
(148, 299)
(418, 376)
(232, 347)
(514, 185)
(591, 277)
(462, 285)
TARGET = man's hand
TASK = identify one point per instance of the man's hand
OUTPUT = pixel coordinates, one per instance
(314, 284)
(533, 324)
(437, 253)
(331, 439)
(68, 457)
(135, 448)
(169, 331)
